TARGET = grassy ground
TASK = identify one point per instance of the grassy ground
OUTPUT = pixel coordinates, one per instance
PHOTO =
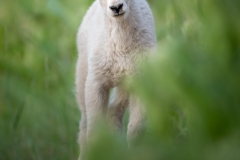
(38, 112)
(191, 89)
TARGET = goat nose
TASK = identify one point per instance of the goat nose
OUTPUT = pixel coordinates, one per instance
(116, 8)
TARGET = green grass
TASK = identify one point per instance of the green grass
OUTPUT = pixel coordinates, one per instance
(191, 90)
(39, 115)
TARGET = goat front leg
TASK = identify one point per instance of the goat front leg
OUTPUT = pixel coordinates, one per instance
(96, 99)
(117, 107)
(136, 121)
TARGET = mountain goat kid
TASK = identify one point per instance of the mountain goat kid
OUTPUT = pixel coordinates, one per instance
(112, 37)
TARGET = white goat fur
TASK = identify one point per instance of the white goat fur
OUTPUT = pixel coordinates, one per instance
(108, 48)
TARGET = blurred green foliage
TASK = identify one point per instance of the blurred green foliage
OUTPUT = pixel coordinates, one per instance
(38, 112)
(191, 88)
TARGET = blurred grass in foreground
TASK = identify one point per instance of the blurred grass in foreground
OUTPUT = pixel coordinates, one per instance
(191, 88)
